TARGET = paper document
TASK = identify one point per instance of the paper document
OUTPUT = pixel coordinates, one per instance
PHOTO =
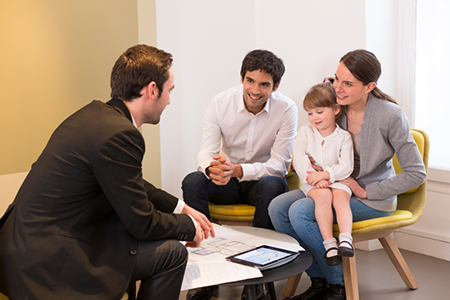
(207, 265)
(208, 273)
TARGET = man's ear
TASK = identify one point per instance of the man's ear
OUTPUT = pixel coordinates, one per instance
(276, 88)
(151, 90)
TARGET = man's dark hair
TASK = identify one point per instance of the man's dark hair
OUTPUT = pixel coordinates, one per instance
(265, 61)
(136, 68)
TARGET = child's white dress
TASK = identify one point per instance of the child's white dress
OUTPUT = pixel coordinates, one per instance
(333, 153)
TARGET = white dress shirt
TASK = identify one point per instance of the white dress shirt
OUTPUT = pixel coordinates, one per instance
(262, 144)
(333, 153)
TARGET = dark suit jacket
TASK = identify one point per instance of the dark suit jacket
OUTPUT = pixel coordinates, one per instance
(73, 228)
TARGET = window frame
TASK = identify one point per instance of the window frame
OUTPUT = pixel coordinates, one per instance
(406, 75)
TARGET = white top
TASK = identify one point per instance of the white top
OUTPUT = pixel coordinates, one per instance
(333, 153)
(262, 143)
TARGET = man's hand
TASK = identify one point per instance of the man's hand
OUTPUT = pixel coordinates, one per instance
(220, 170)
(203, 222)
(357, 190)
(197, 239)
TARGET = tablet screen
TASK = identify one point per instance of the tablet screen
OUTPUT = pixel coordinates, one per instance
(263, 256)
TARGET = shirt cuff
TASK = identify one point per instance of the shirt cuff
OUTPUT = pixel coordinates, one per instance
(179, 208)
(332, 174)
(248, 172)
(193, 221)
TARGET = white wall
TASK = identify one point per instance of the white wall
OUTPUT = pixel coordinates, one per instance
(209, 39)
(9, 186)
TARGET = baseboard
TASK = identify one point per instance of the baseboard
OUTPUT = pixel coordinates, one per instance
(369, 245)
(414, 241)
(423, 243)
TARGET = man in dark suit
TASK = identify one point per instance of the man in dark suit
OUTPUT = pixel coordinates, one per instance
(85, 223)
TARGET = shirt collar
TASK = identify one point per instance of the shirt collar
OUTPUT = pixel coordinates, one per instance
(241, 106)
(132, 119)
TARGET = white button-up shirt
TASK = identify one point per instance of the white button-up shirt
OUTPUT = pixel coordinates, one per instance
(262, 144)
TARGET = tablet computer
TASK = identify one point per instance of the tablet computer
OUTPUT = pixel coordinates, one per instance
(264, 257)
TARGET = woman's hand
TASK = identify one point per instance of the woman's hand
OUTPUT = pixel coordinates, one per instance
(357, 190)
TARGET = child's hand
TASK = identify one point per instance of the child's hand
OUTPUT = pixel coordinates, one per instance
(323, 184)
(314, 177)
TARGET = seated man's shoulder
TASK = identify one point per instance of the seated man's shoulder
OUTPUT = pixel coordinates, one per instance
(232, 91)
(282, 98)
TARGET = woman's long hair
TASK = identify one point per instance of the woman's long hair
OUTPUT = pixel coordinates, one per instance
(365, 66)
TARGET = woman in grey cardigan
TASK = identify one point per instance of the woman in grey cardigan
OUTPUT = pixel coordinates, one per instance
(379, 128)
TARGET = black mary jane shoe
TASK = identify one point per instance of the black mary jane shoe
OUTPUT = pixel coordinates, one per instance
(335, 260)
(317, 290)
(346, 251)
(204, 293)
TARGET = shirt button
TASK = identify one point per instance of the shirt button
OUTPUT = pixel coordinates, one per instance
(133, 252)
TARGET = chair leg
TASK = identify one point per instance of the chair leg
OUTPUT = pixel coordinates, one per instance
(291, 285)
(399, 262)
(131, 290)
(350, 278)
(271, 289)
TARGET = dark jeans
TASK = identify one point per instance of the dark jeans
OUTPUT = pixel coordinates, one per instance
(198, 190)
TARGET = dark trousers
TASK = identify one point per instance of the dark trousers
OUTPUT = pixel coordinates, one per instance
(160, 266)
(198, 190)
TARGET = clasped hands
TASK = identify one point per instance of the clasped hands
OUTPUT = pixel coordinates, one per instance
(221, 170)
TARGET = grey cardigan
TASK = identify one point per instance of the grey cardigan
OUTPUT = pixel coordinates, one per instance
(386, 131)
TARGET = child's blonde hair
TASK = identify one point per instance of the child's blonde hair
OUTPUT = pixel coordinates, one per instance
(321, 95)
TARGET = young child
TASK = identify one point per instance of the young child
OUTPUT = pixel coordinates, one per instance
(325, 144)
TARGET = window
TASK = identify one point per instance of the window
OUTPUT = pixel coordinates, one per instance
(432, 67)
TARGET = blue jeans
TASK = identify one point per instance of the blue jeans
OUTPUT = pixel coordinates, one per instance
(293, 213)
(198, 190)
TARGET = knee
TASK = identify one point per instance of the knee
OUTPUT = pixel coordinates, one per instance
(177, 251)
(279, 206)
(274, 207)
(272, 185)
(323, 200)
(193, 179)
(273, 181)
(302, 211)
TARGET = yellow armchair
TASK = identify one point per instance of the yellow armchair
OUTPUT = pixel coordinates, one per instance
(242, 214)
